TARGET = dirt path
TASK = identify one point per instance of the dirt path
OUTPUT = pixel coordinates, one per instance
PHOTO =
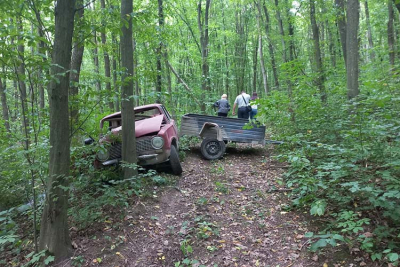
(219, 213)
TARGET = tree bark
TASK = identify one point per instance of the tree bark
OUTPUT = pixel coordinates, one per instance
(260, 47)
(390, 33)
(97, 68)
(76, 63)
(114, 66)
(341, 21)
(317, 53)
(369, 31)
(159, 51)
(353, 15)
(54, 231)
(22, 85)
(255, 59)
(270, 46)
(4, 107)
(127, 112)
(107, 67)
(204, 39)
(281, 30)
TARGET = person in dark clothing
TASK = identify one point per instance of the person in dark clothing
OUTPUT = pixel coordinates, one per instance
(223, 106)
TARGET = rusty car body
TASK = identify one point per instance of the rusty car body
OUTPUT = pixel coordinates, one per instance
(156, 139)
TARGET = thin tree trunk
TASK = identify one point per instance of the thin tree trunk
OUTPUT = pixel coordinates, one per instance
(97, 68)
(317, 52)
(4, 106)
(390, 33)
(260, 47)
(54, 230)
(76, 63)
(114, 66)
(159, 51)
(255, 59)
(204, 39)
(128, 115)
(270, 46)
(107, 68)
(281, 30)
(341, 20)
(22, 85)
(353, 15)
(369, 31)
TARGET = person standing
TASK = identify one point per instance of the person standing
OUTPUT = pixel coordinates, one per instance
(253, 111)
(242, 101)
(223, 106)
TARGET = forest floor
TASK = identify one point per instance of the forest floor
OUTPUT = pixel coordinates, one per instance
(229, 212)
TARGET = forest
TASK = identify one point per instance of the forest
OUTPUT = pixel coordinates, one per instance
(326, 73)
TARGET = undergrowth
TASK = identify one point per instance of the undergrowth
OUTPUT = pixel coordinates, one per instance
(344, 164)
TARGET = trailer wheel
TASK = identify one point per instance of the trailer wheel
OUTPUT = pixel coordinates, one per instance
(174, 163)
(211, 148)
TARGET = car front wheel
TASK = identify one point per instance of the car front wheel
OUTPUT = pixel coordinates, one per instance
(174, 163)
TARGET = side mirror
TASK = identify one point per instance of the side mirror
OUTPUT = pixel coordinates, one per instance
(89, 141)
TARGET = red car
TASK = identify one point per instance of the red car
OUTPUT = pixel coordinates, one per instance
(156, 139)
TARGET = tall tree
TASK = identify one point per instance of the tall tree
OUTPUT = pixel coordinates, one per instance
(127, 106)
(369, 31)
(76, 63)
(352, 53)
(107, 67)
(341, 22)
(54, 231)
(159, 50)
(317, 53)
(390, 33)
(270, 46)
(4, 106)
(202, 23)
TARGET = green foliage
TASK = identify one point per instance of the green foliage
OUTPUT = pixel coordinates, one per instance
(344, 161)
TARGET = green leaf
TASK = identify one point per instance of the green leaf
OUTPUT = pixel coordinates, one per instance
(393, 257)
(49, 259)
(309, 234)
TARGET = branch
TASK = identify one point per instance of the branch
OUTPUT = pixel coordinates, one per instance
(183, 82)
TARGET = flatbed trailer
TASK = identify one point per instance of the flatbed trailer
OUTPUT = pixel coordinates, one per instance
(216, 132)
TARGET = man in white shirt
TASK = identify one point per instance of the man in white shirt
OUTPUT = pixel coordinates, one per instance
(242, 101)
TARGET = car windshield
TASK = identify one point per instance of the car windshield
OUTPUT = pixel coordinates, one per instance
(148, 113)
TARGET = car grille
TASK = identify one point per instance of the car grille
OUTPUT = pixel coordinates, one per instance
(141, 146)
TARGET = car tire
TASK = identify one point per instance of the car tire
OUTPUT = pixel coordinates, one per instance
(211, 148)
(174, 163)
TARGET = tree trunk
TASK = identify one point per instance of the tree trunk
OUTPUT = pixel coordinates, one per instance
(97, 68)
(114, 66)
(204, 39)
(127, 112)
(4, 106)
(281, 30)
(369, 31)
(353, 15)
(54, 231)
(341, 20)
(390, 33)
(255, 59)
(76, 63)
(317, 53)
(260, 47)
(159, 50)
(270, 46)
(107, 68)
(22, 85)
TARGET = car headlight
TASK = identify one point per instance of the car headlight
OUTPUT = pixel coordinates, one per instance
(103, 155)
(157, 142)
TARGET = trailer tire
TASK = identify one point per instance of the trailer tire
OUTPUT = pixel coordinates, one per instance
(211, 148)
(174, 163)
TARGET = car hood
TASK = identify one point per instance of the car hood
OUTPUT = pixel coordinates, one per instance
(145, 126)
